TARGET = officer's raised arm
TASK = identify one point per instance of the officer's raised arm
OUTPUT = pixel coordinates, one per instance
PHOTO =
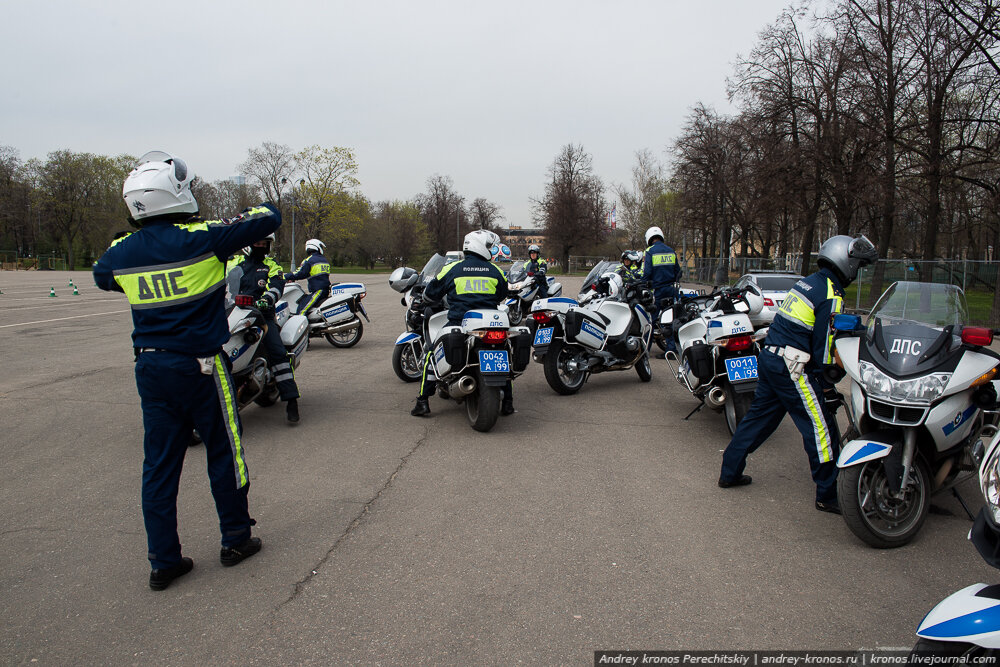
(253, 224)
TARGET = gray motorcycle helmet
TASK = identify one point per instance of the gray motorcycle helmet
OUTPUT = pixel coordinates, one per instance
(403, 279)
(845, 255)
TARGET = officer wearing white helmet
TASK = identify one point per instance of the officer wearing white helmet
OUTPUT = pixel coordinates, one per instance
(487, 291)
(263, 279)
(661, 270)
(798, 346)
(629, 270)
(172, 272)
(316, 268)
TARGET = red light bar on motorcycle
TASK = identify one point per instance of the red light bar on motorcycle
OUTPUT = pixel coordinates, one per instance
(244, 300)
(739, 343)
(494, 336)
(977, 336)
(541, 317)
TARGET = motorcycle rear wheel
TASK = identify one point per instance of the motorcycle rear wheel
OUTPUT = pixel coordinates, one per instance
(564, 382)
(347, 338)
(482, 407)
(736, 407)
(873, 514)
(405, 365)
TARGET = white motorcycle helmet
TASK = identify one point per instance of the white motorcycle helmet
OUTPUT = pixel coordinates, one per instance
(651, 232)
(479, 243)
(403, 278)
(754, 299)
(615, 284)
(160, 184)
(315, 245)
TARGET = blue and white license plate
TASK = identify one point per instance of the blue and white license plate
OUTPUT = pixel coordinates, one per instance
(741, 369)
(494, 361)
(543, 336)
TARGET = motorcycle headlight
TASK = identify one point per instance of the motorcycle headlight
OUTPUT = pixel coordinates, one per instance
(923, 390)
(989, 482)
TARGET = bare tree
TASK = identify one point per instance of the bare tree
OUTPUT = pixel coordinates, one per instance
(484, 214)
(573, 208)
(268, 166)
(443, 213)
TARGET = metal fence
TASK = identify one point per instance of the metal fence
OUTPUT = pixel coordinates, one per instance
(979, 279)
(12, 261)
(583, 263)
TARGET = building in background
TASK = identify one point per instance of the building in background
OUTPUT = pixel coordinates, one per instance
(520, 238)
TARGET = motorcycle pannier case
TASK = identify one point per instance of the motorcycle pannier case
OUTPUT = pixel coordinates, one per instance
(336, 313)
(454, 349)
(522, 351)
(584, 329)
(699, 358)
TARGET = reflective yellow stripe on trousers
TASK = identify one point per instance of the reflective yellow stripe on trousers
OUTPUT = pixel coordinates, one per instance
(227, 400)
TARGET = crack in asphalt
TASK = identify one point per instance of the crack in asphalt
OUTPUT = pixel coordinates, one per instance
(40, 529)
(355, 522)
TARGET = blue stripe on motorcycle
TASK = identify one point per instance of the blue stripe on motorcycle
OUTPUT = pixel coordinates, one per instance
(976, 623)
(407, 338)
(562, 299)
(714, 323)
(950, 427)
(473, 316)
(867, 450)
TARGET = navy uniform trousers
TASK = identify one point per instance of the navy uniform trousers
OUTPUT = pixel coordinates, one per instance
(277, 357)
(177, 397)
(776, 395)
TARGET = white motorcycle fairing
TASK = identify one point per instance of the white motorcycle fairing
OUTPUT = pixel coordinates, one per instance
(971, 615)
(857, 452)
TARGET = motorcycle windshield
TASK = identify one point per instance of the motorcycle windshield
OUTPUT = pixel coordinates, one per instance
(915, 326)
(517, 273)
(595, 273)
(431, 269)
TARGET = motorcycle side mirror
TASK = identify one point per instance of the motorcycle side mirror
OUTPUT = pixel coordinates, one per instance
(846, 323)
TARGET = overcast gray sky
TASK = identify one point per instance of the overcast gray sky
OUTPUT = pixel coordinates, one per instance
(486, 93)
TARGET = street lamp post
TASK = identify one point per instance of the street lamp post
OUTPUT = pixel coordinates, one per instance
(295, 202)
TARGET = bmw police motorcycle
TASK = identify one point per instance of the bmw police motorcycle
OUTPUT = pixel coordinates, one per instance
(524, 289)
(717, 348)
(251, 374)
(966, 624)
(608, 329)
(337, 318)
(922, 402)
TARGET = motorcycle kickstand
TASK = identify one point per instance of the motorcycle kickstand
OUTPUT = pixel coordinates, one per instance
(961, 501)
(700, 406)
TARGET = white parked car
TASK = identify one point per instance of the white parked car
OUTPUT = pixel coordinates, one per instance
(773, 287)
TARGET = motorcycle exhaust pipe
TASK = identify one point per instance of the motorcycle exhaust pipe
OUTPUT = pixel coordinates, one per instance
(716, 397)
(463, 386)
(337, 328)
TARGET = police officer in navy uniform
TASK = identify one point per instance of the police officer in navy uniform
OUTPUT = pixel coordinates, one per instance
(172, 272)
(488, 290)
(536, 266)
(661, 270)
(629, 269)
(264, 280)
(798, 346)
(316, 268)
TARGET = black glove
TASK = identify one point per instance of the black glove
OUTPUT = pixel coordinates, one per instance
(266, 302)
(832, 399)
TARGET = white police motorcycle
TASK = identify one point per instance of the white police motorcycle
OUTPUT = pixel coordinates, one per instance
(473, 361)
(966, 624)
(609, 329)
(524, 289)
(921, 404)
(337, 318)
(252, 377)
(717, 348)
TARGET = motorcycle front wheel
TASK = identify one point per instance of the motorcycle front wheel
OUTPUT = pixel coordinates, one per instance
(962, 651)
(482, 406)
(515, 315)
(347, 338)
(563, 381)
(644, 370)
(736, 407)
(405, 364)
(873, 513)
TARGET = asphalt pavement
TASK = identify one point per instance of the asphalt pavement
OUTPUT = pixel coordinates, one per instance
(579, 523)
